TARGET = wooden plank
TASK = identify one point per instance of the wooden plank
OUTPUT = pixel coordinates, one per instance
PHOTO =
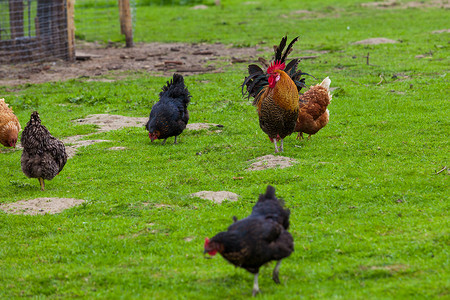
(70, 30)
(126, 24)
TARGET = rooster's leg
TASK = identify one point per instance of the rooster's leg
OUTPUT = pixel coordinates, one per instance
(175, 140)
(281, 145)
(309, 137)
(276, 270)
(255, 286)
(41, 181)
(275, 143)
(163, 142)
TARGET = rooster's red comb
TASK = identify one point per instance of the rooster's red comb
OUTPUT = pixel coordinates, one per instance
(276, 65)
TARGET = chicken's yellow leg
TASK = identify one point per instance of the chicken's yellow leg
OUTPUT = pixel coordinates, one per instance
(41, 181)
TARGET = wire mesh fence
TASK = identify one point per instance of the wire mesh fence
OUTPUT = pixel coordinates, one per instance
(32, 30)
(37, 30)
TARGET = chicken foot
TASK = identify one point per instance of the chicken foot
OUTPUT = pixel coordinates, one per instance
(276, 271)
(163, 142)
(276, 146)
(255, 286)
(41, 181)
(275, 143)
(300, 136)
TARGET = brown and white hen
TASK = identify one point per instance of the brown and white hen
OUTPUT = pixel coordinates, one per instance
(313, 114)
(9, 125)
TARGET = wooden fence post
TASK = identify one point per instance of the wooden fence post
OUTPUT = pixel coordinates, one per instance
(126, 25)
(70, 30)
(16, 18)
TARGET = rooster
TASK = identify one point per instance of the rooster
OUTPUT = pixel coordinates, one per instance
(313, 114)
(275, 93)
(43, 156)
(258, 239)
(169, 116)
(9, 125)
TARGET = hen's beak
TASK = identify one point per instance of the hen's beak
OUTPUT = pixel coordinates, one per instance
(152, 136)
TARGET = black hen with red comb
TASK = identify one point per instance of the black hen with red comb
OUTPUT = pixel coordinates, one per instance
(169, 116)
(258, 239)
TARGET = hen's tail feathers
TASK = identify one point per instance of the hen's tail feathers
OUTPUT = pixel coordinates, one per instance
(176, 89)
(326, 83)
(35, 119)
(270, 192)
(274, 208)
(270, 195)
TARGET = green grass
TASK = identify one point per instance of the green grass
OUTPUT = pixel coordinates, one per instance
(369, 214)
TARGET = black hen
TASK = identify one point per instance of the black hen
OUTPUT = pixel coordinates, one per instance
(260, 238)
(169, 116)
(43, 156)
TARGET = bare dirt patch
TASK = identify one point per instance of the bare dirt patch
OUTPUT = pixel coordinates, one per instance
(271, 161)
(388, 268)
(441, 31)
(117, 148)
(72, 149)
(217, 197)
(40, 206)
(158, 59)
(200, 126)
(390, 4)
(157, 205)
(375, 41)
(107, 122)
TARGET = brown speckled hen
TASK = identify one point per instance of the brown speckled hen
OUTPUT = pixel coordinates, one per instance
(258, 239)
(169, 116)
(313, 114)
(275, 93)
(43, 156)
(9, 125)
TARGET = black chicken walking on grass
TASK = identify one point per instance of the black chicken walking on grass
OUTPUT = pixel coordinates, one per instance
(258, 239)
(169, 116)
(43, 156)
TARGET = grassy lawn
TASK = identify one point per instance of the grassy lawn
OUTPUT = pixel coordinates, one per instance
(369, 214)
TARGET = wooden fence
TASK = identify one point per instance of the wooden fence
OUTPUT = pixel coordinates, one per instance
(48, 30)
